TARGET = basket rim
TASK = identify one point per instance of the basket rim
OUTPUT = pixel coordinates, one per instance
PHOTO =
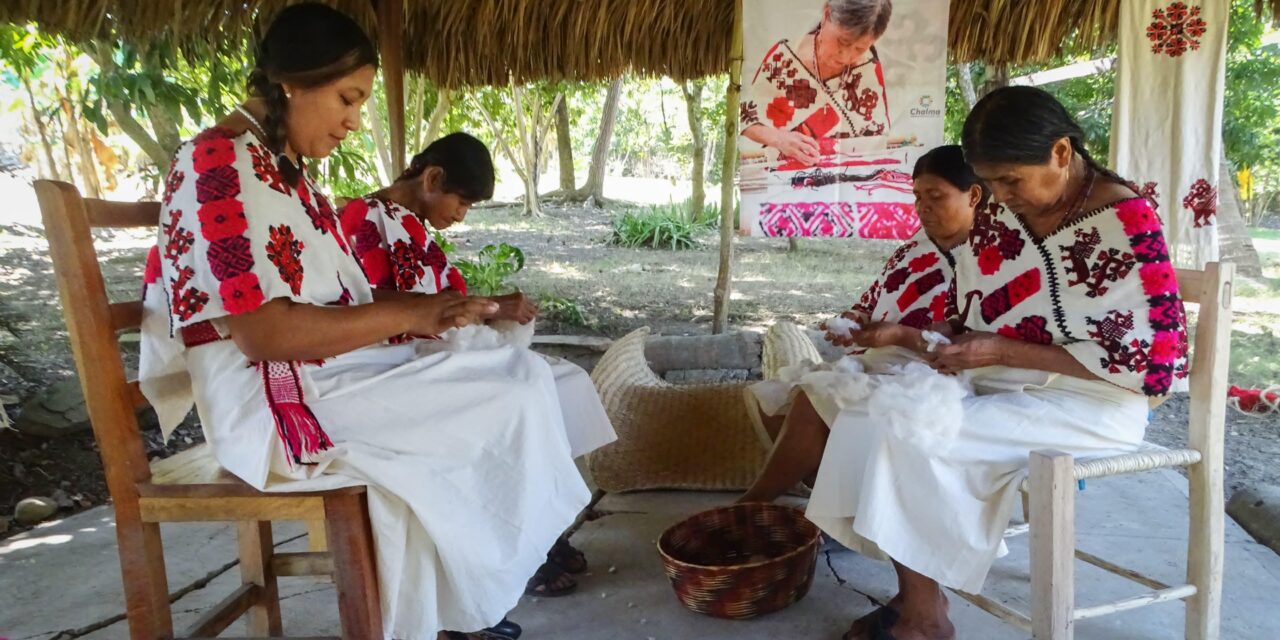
(817, 535)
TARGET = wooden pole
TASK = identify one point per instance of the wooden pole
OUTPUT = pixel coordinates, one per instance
(391, 49)
(720, 321)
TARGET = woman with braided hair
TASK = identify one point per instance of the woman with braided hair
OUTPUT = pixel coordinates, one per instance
(257, 312)
(1069, 318)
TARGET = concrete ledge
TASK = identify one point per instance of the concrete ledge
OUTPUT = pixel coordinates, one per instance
(1257, 509)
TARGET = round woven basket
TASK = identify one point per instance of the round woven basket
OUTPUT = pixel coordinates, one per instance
(742, 560)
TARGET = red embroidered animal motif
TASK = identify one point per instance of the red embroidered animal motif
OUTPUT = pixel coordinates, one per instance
(999, 302)
(1202, 200)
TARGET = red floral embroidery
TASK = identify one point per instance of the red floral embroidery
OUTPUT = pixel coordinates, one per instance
(151, 272)
(241, 293)
(376, 263)
(354, 216)
(779, 112)
(456, 281)
(1175, 29)
(222, 219)
(938, 306)
(213, 152)
(989, 260)
(1202, 200)
(990, 232)
(285, 252)
(189, 302)
(859, 100)
(800, 93)
(407, 262)
(178, 244)
(413, 227)
(1158, 278)
(1137, 217)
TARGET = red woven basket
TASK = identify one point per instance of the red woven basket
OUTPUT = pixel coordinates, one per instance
(742, 560)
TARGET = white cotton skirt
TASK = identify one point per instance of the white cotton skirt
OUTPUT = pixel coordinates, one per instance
(466, 457)
(931, 479)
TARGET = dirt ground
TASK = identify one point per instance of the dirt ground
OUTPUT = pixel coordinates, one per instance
(616, 289)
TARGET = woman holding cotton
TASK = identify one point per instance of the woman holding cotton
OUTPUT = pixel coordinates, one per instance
(1069, 318)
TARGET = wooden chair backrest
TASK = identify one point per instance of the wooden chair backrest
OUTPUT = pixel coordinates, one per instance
(94, 323)
(1211, 289)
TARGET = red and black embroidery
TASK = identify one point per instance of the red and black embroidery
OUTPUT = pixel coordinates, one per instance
(919, 287)
(172, 182)
(918, 318)
(857, 99)
(992, 241)
(1166, 313)
(285, 252)
(265, 169)
(1202, 200)
(1111, 332)
(407, 262)
(1094, 268)
(222, 221)
(1011, 294)
(748, 113)
(298, 428)
(1175, 29)
(1033, 329)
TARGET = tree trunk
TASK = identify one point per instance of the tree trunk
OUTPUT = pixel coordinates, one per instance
(693, 107)
(1234, 243)
(564, 146)
(378, 129)
(160, 152)
(966, 84)
(444, 102)
(166, 128)
(997, 77)
(594, 189)
(84, 153)
(45, 145)
(724, 277)
(66, 144)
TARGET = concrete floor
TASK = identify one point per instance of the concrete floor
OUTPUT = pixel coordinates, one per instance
(65, 576)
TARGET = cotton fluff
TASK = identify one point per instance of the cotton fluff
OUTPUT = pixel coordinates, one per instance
(934, 339)
(841, 326)
(479, 337)
(922, 406)
(844, 381)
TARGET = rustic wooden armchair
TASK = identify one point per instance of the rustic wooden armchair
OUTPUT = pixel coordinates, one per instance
(1054, 475)
(189, 487)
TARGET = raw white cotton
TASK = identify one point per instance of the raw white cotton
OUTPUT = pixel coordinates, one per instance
(934, 339)
(844, 381)
(842, 327)
(923, 406)
(478, 337)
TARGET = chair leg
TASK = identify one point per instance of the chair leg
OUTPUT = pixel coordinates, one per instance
(1205, 551)
(146, 586)
(256, 550)
(1053, 536)
(355, 567)
(1026, 506)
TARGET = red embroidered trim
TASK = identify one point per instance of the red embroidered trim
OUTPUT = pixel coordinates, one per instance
(296, 425)
(200, 333)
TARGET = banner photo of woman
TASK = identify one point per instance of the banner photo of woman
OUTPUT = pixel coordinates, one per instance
(839, 98)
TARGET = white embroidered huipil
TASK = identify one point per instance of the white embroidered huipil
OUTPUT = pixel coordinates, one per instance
(396, 252)
(927, 473)
(469, 472)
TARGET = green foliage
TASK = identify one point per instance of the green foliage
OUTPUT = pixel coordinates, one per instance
(487, 275)
(562, 310)
(1251, 107)
(662, 227)
(441, 241)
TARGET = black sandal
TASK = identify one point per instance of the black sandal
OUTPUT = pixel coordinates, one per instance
(539, 585)
(505, 630)
(567, 557)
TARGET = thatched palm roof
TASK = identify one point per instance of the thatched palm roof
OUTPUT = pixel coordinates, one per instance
(479, 42)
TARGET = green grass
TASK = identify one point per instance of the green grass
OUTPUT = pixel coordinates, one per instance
(1265, 234)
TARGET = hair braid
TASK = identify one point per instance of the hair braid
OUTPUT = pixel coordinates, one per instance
(1078, 146)
(273, 123)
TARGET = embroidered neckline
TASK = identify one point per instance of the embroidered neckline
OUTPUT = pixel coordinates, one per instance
(835, 102)
(1067, 224)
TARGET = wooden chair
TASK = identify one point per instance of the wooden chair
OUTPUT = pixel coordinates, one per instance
(189, 487)
(1054, 475)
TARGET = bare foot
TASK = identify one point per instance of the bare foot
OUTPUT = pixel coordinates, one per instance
(914, 620)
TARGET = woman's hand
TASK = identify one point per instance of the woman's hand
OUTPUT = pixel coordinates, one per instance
(516, 306)
(842, 339)
(433, 314)
(796, 145)
(972, 350)
(882, 334)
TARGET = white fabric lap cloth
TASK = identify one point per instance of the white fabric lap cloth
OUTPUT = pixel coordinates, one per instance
(1166, 131)
(397, 253)
(925, 468)
(469, 471)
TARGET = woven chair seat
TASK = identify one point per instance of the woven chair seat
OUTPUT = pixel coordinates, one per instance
(1148, 457)
(696, 437)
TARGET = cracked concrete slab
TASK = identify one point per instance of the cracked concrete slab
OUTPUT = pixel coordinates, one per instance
(65, 575)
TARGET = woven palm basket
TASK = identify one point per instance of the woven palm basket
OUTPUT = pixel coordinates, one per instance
(695, 437)
(742, 560)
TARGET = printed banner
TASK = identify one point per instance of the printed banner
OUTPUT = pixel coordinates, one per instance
(833, 117)
(1166, 129)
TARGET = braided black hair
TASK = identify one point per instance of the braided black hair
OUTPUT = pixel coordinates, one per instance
(1020, 125)
(307, 45)
(465, 161)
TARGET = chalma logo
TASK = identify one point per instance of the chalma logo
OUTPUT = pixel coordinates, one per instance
(925, 108)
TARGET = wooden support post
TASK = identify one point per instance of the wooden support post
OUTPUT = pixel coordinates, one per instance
(391, 50)
(1208, 416)
(720, 320)
(355, 569)
(1053, 537)
(256, 550)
